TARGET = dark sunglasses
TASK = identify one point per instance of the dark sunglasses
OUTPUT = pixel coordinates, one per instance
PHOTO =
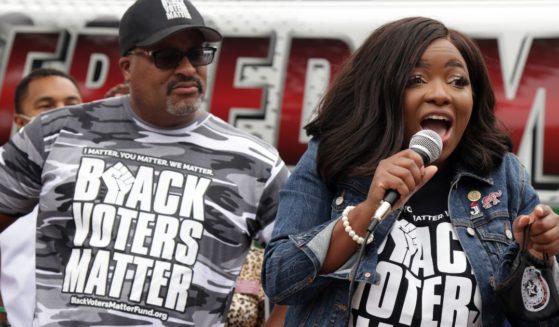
(170, 58)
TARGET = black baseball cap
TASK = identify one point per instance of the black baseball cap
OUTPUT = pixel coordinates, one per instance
(147, 22)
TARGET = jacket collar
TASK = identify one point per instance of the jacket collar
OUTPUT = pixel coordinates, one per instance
(462, 172)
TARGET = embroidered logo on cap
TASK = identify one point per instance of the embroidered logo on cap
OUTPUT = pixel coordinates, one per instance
(535, 290)
(176, 9)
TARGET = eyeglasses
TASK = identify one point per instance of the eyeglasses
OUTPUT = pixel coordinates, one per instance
(170, 58)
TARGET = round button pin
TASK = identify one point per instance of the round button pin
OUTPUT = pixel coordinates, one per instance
(508, 233)
(474, 196)
(339, 200)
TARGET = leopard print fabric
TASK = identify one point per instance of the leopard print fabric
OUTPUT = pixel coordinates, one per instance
(247, 305)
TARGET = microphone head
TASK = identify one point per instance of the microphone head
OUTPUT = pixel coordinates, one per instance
(428, 144)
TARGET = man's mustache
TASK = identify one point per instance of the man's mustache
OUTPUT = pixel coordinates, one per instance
(182, 79)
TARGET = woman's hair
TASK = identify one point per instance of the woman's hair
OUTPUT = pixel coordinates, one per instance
(360, 120)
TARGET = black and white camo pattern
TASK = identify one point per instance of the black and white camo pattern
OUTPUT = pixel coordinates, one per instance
(138, 226)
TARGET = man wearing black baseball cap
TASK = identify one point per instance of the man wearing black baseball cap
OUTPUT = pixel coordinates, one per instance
(148, 204)
(155, 36)
(147, 22)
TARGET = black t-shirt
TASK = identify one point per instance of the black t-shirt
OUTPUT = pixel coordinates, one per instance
(426, 279)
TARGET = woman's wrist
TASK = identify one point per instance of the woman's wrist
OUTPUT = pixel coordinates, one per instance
(349, 230)
(367, 209)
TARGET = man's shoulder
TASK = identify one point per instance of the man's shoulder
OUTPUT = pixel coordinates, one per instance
(105, 106)
(84, 116)
(234, 134)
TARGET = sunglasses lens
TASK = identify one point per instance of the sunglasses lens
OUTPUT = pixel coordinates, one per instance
(171, 58)
(201, 56)
(167, 58)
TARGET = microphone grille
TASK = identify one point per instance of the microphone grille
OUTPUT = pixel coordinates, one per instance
(428, 142)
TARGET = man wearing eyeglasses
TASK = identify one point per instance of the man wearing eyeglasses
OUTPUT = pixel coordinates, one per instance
(147, 204)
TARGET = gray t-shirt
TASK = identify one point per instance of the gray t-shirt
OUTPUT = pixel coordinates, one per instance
(138, 225)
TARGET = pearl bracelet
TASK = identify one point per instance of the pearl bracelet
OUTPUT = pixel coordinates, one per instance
(345, 221)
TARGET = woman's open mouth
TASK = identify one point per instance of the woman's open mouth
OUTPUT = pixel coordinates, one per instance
(438, 123)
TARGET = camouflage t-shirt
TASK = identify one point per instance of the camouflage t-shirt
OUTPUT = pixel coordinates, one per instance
(138, 225)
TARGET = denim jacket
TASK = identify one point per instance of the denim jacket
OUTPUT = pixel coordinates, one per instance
(308, 211)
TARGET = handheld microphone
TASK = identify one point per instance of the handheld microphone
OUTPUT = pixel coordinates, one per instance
(428, 144)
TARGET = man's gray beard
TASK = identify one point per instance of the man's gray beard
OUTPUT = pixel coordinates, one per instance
(183, 109)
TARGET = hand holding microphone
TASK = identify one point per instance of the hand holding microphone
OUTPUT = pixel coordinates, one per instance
(403, 173)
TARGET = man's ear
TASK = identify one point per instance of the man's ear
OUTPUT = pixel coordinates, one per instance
(124, 64)
(19, 121)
